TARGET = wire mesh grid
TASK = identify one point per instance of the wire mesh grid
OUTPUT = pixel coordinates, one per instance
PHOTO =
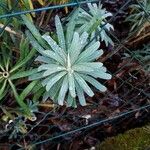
(126, 101)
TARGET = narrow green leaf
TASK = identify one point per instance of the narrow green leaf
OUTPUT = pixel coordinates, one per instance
(94, 65)
(94, 82)
(34, 43)
(83, 84)
(45, 59)
(63, 91)
(48, 66)
(55, 47)
(80, 94)
(36, 76)
(2, 89)
(54, 91)
(100, 74)
(75, 48)
(60, 33)
(70, 27)
(24, 61)
(82, 68)
(54, 80)
(34, 31)
(89, 51)
(27, 90)
(23, 74)
(92, 57)
(19, 100)
(53, 70)
(71, 85)
(70, 100)
(54, 56)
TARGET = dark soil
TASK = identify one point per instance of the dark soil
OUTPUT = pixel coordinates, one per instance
(128, 90)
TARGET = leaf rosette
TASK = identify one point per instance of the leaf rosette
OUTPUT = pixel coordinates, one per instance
(94, 21)
(69, 66)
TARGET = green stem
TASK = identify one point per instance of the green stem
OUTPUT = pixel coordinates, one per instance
(94, 26)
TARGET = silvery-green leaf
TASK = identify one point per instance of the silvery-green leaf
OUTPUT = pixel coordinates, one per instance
(63, 91)
(54, 56)
(95, 6)
(70, 27)
(35, 33)
(45, 81)
(106, 38)
(83, 28)
(96, 65)
(92, 57)
(82, 68)
(44, 59)
(80, 22)
(83, 84)
(95, 83)
(89, 51)
(46, 96)
(60, 33)
(74, 104)
(53, 70)
(83, 39)
(71, 85)
(48, 66)
(85, 15)
(51, 93)
(34, 43)
(36, 76)
(95, 55)
(103, 69)
(70, 100)
(92, 10)
(80, 94)
(54, 80)
(100, 74)
(108, 27)
(55, 47)
(75, 48)
(56, 87)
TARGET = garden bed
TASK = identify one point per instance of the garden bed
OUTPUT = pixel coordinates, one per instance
(123, 106)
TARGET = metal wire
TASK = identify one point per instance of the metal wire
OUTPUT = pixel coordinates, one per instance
(90, 126)
(47, 8)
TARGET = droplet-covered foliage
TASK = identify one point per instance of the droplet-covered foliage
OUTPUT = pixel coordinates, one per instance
(94, 21)
(69, 66)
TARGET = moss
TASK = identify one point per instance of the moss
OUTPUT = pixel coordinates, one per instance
(135, 139)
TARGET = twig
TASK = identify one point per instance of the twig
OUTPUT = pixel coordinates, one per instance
(8, 29)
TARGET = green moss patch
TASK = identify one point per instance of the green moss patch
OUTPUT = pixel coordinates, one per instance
(135, 139)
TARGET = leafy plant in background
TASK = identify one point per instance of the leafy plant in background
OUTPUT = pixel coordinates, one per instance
(9, 6)
(16, 5)
(5, 8)
(93, 22)
(68, 65)
(43, 2)
(139, 15)
(15, 120)
(11, 70)
(144, 56)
